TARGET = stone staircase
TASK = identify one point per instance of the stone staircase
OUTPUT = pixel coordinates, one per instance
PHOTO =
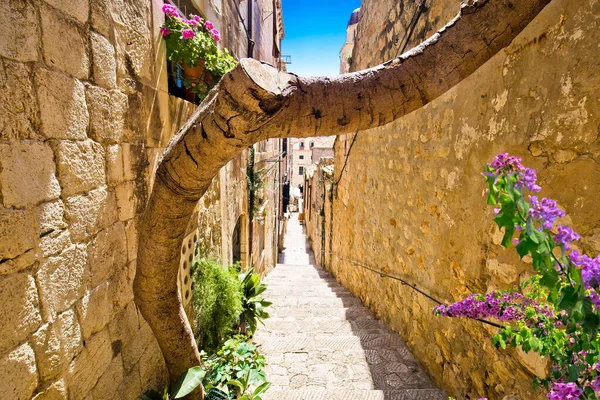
(322, 344)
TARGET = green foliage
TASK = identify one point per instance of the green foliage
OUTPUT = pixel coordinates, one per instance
(569, 336)
(185, 384)
(236, 371)
(216, 302)
(202, 46)
(255, 182)
(252, 302)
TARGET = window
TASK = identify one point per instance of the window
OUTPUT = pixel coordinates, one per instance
(312, 144)
(300, 170)
(302, 157)
(301, 145)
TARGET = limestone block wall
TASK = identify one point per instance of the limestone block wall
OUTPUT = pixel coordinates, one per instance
(317, 195)
(411, 201)
(84, 116)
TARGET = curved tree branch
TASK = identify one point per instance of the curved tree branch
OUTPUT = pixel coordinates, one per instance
(254, 102)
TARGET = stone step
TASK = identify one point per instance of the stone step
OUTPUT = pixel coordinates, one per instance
(334, 313)
(317, 302)
(324, 394)
(305, 342)
(322, 325)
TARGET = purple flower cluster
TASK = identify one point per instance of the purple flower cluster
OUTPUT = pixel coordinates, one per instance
(506, 164)
(495, 304)
(546, 211)
(590, 268)
(170, 10)
(564, 391)
(565, 236)
(164, 31)
(188, 34)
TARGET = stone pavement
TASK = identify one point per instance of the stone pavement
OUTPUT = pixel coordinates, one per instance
(322, 344)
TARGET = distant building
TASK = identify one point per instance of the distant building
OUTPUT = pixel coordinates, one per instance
(346, 52)
(308, 151)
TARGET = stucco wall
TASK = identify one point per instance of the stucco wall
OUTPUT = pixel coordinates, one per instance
(411, 201)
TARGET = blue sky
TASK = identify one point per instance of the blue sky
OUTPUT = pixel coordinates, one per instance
(315, 31)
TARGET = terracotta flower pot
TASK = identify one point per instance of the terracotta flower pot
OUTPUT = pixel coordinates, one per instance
(194, 75)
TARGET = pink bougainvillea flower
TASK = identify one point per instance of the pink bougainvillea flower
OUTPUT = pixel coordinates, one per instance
(192, 22)
(196, 18)
(215, 34)
(164, 31)
(188, 34)
(209, 25)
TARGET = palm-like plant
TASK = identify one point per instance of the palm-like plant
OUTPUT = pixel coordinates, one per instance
(253, 304)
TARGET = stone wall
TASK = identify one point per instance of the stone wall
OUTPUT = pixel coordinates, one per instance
(411, 201)
(318, 183)
(85, 115)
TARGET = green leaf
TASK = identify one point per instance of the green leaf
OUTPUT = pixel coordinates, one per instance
(187, 382)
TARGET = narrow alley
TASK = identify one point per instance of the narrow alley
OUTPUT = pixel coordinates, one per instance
(322, 343)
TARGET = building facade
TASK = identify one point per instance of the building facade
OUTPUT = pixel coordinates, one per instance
(305, 152)
(86, 114)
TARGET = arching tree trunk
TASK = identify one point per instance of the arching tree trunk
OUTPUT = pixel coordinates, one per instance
(254, 102)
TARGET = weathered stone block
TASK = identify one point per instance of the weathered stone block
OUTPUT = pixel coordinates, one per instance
(90, 365)
(126, 201)
(95, 309)
(107, 114)
(16, 235)
(50, 217)
(64, 43)
(56, 343)
(27, 174)
(100, 17)
(130, 387)
(89, 213)
(80, 166)
(107, 253)
(132, 240)
(114, 164)
(56, 391)
(107, 385)
(18, 106)
(104, 64)
(19, 374)
(19, 263)
(63, 109)
(79, 9)
(20, 309)
(130, 155)
(132, 333)
(122, 286)
(19, 30)
(54, 242)
(153, 371)
(62, 280)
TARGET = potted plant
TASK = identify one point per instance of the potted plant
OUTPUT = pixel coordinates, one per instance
(192, 44)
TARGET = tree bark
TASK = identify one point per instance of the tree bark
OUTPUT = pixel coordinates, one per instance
(254, 102)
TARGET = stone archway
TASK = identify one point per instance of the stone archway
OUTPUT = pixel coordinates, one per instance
(254, 102)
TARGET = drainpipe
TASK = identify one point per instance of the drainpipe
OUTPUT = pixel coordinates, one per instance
(249, 31)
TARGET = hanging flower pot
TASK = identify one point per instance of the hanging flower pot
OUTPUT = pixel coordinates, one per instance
(192, 43)
(194, 75)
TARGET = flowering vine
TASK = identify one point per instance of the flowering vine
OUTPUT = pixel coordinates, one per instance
(556, 312)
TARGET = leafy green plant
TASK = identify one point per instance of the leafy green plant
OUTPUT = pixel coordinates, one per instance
(252, 302)
(185, 384)
(236, 371)
(255, 182)
(216, 302)
(190, 40)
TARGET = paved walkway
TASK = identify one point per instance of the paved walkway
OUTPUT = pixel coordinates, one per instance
(322, 344)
